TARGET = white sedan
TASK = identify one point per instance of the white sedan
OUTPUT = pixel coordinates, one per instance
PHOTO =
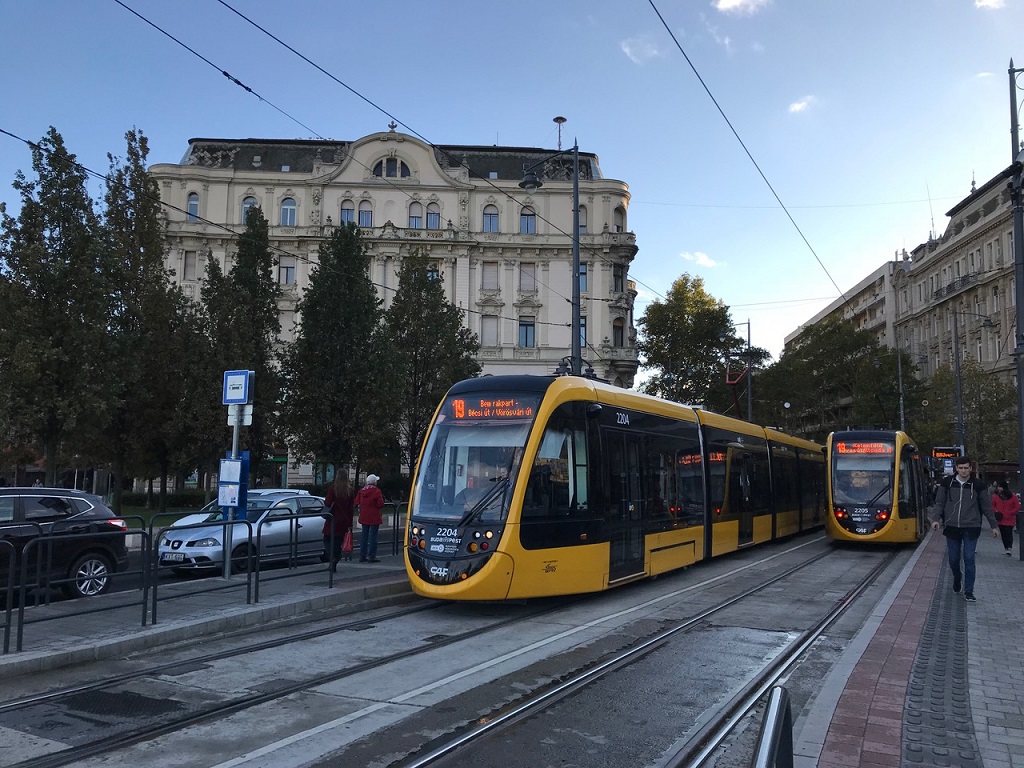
(274, 517)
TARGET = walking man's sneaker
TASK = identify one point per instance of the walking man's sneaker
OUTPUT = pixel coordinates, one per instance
(956, 584)
(970, 598)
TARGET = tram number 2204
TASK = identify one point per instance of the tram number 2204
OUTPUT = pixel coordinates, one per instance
(622, 418)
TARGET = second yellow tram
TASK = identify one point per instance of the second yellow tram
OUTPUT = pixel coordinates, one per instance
(877, 487)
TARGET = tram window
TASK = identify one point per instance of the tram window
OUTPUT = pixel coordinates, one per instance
(863, 481)
(674, 483)
(558, 478)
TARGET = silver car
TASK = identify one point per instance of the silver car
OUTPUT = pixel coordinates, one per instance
(274, 521)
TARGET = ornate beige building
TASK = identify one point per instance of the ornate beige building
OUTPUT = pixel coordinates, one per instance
(505, 255)
(962, 279)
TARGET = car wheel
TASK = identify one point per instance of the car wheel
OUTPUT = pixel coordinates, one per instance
(239, 557)
(89, 576)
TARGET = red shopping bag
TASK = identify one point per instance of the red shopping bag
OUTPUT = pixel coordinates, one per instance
(346, 544)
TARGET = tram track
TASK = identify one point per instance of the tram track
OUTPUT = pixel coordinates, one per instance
(698, 747)
(113, 743)
(110, 743)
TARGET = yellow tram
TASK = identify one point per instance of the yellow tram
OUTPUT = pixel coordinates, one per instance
(531, 486)
(878, 489)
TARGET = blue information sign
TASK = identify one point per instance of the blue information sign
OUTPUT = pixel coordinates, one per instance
(236, 387)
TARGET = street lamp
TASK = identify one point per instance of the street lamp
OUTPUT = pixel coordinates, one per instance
(1018, 271)
(986, 323)
(748, 371)
(531, 183)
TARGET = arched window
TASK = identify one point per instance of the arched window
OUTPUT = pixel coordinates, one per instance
(618, 333)
(288, 212)
(348, 212)
(433, 216)
(620, 220)
(247, 203)
(193, 206)
(583, 219)
(391, 168)
(527, 221)
(365, 213)
(415, 216)
(490, 218)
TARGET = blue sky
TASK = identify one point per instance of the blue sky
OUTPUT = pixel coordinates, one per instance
(868, 118)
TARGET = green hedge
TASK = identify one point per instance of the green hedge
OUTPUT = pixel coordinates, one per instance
(179, 499)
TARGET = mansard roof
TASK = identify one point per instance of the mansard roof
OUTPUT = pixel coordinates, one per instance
(299, 156)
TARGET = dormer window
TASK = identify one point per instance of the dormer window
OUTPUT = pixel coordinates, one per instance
(391, 168)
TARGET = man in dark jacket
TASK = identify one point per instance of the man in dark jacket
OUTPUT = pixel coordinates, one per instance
(960, 503)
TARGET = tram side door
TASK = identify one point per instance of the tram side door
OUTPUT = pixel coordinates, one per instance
(623, 451)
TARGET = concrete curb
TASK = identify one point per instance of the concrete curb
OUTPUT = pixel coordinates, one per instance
(131, 637)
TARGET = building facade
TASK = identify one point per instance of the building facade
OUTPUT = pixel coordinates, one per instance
(504, 255)
(953, 294)
(962, 280)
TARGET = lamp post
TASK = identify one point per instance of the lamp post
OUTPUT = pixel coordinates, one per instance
(1018, 272)
(531, 183)
(899, 380)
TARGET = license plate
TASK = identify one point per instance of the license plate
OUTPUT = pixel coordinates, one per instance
(167, 557)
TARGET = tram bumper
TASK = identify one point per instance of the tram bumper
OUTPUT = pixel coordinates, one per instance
(473, 578)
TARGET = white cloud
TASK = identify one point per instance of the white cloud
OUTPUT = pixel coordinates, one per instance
(802, 105)
(750, 7)
(640, 49)
(700, 259)
(991, 4)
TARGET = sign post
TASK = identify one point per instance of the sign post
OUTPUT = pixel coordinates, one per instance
(233, 480)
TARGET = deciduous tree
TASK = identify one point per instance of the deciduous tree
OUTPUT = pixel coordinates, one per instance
(51, 302)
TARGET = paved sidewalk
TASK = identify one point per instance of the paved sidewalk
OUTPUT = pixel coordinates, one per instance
(76, 631)
(931, 680)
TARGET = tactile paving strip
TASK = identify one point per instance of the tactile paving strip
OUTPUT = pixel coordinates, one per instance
(937, 726)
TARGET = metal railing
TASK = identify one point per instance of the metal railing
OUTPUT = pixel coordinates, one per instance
(27, 584)
(775, 743)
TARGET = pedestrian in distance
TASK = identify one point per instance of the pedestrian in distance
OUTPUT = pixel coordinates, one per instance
(960, 504)
(369, 502)
(338, 504)
(1006, 505)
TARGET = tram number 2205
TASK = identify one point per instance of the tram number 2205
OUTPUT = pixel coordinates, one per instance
(622, 418)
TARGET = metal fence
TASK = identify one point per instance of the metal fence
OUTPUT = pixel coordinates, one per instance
(28, 589)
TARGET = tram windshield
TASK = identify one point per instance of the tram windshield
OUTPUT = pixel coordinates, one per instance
(863, 479)
(472, 457)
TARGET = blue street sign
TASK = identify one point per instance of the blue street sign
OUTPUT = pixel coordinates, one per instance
(236, 387)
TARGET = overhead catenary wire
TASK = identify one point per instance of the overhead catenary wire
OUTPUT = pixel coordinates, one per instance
(386, 180)
(748, 153)
(228, 230)
(590, 251)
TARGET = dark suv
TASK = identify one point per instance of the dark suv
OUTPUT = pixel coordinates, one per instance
(66, 538)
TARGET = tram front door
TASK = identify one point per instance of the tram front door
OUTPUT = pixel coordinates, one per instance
(626, 498)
